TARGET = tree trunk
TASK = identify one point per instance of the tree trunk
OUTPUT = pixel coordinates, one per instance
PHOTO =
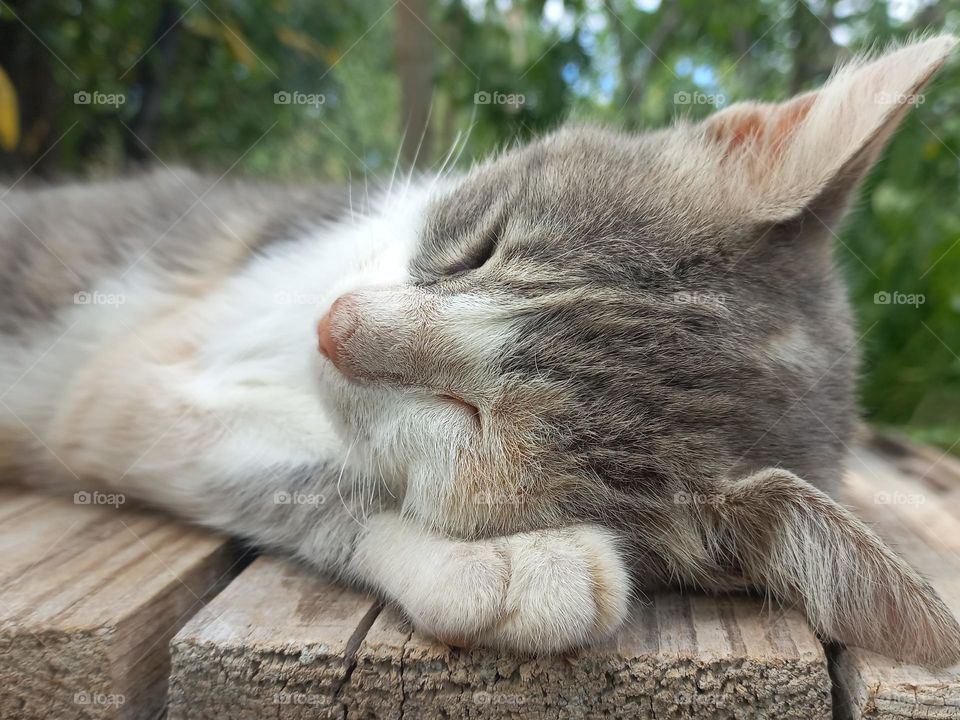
(636, 57)
(415, 48)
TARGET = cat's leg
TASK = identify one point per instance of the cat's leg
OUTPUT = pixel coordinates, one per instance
(535, 591)
(147, 426)
(140, 421)
(538, 591)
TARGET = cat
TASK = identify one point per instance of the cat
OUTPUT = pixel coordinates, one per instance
(509, 401)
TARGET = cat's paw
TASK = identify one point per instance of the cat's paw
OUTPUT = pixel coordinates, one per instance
(568, 588)
(464, 593)
(537, 592)
(534, 592)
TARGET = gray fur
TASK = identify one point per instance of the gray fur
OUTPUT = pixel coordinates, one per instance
(67, 238)
(685, 348)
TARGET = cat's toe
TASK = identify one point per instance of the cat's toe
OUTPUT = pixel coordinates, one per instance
(465, 596)
(568, 588)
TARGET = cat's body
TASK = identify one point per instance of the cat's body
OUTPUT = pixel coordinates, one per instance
(590, 367)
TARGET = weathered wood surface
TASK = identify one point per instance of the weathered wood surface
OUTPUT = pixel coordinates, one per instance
(281, 643)
(679, 657)
(909, 497)
(90, 595)
(278, 642)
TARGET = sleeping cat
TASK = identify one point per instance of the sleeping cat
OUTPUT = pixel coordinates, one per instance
(508, 401)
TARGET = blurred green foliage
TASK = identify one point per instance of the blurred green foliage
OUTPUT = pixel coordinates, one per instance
(199, 79)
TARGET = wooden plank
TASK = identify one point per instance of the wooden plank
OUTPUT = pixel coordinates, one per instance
(679, 657)
(913, 517)
(282, 643)
(930, 466)
(90, 595)
(278, 642)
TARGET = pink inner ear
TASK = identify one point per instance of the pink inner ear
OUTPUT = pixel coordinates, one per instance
(759, 130)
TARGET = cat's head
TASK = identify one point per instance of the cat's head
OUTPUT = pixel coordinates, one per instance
(621, 327)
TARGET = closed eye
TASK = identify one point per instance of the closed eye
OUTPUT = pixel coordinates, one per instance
(480, 254)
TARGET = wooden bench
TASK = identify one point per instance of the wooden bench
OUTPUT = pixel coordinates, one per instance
(90, 596)
(281, 642)
(911, 498)
(100, 605)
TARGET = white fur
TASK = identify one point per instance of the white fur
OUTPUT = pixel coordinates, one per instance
(216, 405)
(536, 591)
(222, 429)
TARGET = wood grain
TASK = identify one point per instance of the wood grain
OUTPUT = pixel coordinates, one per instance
(913, 517)
(932, 467)
(90, 595)
(679, 657)
(279, 642)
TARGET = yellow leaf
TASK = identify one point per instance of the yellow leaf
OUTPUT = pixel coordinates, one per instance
(932, 149)
(229, 33)
(306, 45)
(9, 113)
(238, 46)
(202, 25)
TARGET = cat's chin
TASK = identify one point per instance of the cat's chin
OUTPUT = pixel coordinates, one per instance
(346, 405)
(328, 385)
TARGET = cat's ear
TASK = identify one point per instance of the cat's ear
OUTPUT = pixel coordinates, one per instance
(779, 159)
(786, 536)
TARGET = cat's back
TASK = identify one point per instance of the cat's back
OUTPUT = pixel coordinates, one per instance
(61, 243)
(93, 275)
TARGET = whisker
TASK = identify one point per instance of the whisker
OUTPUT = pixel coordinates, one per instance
(343, 467)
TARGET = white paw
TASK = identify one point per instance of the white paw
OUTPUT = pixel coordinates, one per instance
(568, 588)
(463, 594)
(537, 592)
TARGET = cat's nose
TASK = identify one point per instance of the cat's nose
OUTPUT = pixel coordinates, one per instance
(335, 327)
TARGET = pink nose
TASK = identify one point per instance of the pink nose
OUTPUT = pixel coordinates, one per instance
(336, 327)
